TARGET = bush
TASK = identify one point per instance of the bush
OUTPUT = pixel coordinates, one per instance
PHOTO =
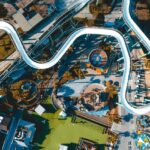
(3, 11)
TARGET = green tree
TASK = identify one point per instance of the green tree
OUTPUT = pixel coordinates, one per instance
(3, 11)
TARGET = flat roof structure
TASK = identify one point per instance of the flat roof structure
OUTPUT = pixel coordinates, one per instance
(39, 110)
(25, 24)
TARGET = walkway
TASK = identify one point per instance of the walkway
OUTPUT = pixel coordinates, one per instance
(128, 128)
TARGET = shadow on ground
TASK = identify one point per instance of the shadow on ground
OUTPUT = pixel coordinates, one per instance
(42, 127)
(49, 108)
(101, 146)
(36, 147)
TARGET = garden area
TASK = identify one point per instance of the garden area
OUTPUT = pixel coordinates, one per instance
(53, 131)
(6, 46)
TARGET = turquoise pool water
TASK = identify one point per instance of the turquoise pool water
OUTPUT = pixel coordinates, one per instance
(100, 113)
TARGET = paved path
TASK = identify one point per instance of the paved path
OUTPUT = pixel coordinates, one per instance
(126, 141)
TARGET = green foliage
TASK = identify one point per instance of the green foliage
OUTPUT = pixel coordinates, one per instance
(3, 11)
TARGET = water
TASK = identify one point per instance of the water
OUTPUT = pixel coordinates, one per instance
(100, 113)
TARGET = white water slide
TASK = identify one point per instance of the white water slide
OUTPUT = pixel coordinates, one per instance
(97, 31)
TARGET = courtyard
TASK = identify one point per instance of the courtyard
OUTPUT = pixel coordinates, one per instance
(55, 131)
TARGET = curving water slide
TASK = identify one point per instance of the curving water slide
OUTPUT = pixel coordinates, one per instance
(97, 31)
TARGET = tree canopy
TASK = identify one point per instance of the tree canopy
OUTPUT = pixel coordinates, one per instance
(3, 11)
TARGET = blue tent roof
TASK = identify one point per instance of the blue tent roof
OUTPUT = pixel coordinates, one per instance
(17, 74)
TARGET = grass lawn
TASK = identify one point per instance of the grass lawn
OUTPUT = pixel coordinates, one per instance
(58, 132)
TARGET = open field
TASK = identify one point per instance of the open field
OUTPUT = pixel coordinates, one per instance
(55, 132)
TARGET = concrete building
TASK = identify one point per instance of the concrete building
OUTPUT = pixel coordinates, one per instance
(24, 135)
